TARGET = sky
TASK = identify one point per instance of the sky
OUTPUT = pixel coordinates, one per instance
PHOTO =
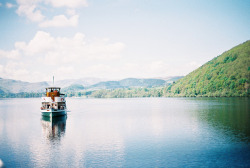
(116, 39)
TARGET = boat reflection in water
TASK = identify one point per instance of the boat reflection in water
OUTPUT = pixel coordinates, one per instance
(54, 127)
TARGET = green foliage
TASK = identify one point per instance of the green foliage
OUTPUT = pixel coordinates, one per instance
(128, 93)
(242, 81)
(226, 75)
(230, 58)
(20, 95)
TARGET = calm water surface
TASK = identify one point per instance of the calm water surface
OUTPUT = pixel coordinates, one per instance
(143, 132)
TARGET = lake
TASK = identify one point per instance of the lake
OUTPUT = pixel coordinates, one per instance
(136, 132)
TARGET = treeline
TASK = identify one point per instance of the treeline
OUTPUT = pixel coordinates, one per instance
(128, 93)
(151, 92)
(119, 93)
(20, 95)
(133, 93)
(104, 93)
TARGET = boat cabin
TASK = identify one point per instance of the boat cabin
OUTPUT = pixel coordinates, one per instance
(52, 91)
(53, 99)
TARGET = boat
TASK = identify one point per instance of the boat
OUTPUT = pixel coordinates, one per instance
(53, 103)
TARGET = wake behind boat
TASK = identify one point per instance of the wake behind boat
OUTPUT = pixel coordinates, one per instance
(54, 103)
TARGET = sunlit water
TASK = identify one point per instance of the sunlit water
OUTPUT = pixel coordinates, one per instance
(139, 132)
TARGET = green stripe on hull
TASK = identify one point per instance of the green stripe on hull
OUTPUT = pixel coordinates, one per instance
(53, 114)
(57, 119)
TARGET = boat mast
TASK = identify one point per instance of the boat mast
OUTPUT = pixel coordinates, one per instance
(53, 80)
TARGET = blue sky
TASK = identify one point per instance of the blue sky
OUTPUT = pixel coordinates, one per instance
(116, 39)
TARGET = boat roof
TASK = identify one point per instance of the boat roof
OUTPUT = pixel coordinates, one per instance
(53, 88)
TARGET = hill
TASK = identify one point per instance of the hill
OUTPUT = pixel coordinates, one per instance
(133, 82)
(129, 82)
(226, 75)
(17, 86)
(73, 88)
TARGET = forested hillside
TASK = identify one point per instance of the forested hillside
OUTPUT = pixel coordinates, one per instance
(225, 75)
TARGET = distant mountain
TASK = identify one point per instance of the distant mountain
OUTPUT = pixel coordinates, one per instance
(225, 75)
(83, 81)
(17, 86)
(134, 82)
(131, 82)
(101, 83)
(76, 85)
(2, 91)
(125, 83)
(73, 88)
(106, 85)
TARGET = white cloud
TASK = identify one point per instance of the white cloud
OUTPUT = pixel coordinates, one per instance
(13, 54)
(40, 44)
(76, 57)
(67, 3)
(34, 10)
(20, 45)
(45, 55)
(28, 8)
(71, 12)
(9, 5)
(13, 70)
(61, 21)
